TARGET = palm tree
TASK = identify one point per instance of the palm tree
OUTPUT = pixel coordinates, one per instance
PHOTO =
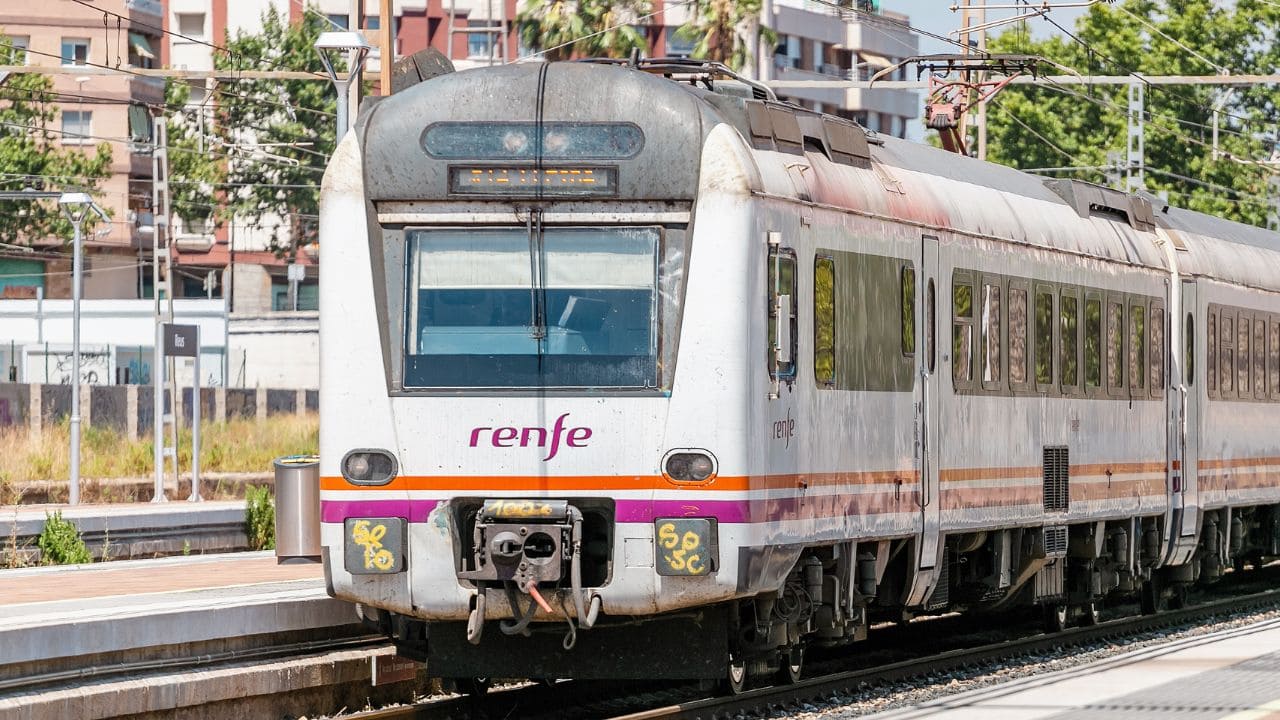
(586, 28)
(720, 29)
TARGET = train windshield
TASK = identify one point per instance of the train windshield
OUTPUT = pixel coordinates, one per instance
(560, 307)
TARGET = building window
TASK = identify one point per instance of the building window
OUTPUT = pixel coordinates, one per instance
(192, 25)
(75, 51)
(308, 296)
(678, 46)
(338, 21)
(141, 54)
(824, 321)
(77, 126)
(17, 45)
(479, 44)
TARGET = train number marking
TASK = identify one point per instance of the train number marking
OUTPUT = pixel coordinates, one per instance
(374, 546)
(682, 546)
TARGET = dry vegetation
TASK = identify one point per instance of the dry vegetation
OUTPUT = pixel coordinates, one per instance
(235, 446)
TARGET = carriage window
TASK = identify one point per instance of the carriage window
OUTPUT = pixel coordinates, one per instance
(908, 296)
(478, 315)
(1189, 362)
(1070, 323)
(990, 333)
(824, 321)
(930, 326)
(962, 333)
(1259, 358)
(1017, 335)
(1211, 352)
(1274, 356)
(1137, 347)
(1093, 342)
(1242, 357)
(782, 294)
(1044, 338)
(1115, 346)
(1228, 345)
(1157, 350)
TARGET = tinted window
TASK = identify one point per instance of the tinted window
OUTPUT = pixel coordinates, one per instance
(990, 333)
(518, 140)
(1228, 339)
(1069, 319)
(1189, 362)
(1137, 347)
(1115, 346)
(962, 333)
(782, 288)
(1242, 357)
(1259, 357)
(1157, 349)
(1044, 338)
(908, 308)
(1093, 342)
(1017, 335)
(1211, 352)
(824, 320)
(1273, 355)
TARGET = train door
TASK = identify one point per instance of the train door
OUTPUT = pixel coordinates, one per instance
(928, 407)
(1186, 430)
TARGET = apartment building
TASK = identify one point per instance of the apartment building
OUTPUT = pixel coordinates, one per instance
(94, 108)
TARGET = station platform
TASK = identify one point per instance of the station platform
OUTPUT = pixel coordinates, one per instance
(73, 639)
(134, 530)
(1229, 675)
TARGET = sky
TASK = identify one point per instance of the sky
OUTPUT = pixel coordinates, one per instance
(936, 17)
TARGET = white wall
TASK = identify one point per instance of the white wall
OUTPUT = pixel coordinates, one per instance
(277, 350)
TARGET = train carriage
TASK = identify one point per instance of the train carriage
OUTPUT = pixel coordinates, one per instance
(631, 370)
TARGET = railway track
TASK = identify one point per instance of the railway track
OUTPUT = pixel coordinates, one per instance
(659, 701)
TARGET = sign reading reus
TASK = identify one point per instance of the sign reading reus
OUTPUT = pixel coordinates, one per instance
(180, 341)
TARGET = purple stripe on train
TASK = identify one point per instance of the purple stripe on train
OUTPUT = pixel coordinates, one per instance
(635, 511)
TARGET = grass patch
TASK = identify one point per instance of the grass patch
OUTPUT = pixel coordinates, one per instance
(60, 542)
(241, 445)
(260, 518)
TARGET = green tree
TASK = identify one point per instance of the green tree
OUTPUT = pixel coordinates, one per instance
(585, 28)
(721, 31)
(260, 153)
(32, 156)
(1073, 126)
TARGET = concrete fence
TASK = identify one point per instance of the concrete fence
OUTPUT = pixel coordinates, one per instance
(128, 409)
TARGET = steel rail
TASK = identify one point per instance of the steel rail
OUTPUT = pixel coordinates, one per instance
(763, 699)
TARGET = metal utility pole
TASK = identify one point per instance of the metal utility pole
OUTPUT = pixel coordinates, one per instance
(355, 23)
(163, 414)
(982, 76)
(1135, 176)
(386, 39)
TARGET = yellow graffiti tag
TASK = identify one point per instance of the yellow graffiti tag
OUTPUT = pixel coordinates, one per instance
(375, 556)
(520, 509)
(680, 559)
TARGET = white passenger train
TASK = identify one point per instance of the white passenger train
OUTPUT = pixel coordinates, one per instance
(628, 375)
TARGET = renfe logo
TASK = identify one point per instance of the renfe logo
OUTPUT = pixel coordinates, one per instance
(575, 437)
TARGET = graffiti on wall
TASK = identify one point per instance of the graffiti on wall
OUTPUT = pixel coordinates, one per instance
(56, 367)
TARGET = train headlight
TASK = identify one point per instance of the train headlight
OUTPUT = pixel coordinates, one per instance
(689, 465)
(369, 467)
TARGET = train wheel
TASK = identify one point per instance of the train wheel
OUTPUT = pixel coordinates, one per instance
(475, 687)
(1089, 614)
(1055, 618)
(792, 666)
(1150, 598)
(735, 682)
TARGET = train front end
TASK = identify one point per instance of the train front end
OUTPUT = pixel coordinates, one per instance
(529, 401)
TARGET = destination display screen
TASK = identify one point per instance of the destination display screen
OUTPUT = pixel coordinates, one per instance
(526, 181)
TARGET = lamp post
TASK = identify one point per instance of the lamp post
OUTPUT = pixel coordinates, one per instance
(328, 45)
(76, 206)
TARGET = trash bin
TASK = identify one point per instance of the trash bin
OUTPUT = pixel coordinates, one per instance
(297, 509)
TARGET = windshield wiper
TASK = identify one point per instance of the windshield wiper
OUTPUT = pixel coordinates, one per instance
(537, 296)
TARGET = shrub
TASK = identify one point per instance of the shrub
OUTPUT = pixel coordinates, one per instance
(260, 518)
(60, 542)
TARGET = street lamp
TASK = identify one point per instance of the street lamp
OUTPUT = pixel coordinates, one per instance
(327, 45)
(76, 206)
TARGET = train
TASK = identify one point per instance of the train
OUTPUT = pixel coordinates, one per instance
(632, 370)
